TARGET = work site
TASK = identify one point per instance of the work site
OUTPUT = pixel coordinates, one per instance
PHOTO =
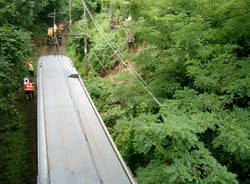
(124, 92)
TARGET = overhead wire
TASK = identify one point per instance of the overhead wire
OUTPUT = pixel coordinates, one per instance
(110, 44)
(99, 60)
(130, 67)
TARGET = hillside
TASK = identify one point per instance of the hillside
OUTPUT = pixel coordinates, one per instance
(185, 117)
(171, 80)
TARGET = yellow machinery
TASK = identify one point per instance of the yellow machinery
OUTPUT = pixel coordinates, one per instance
(50, 38)
(55, 35)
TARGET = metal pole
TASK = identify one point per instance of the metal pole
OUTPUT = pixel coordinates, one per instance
(70, 21)
(85, 42)
(54, 17)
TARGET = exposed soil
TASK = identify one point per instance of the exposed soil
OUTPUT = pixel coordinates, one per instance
(31, 122)
(120, 67)
(29, 113)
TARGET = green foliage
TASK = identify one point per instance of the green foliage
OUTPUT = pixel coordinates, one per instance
(195, 61)
(13, 152)
(13, 52)
(17, 20)
(101, 55)
(77, 8)
(118, 9)
(112, 115)
(20, 13)
(100, 91)
(99, 52)
(174, 143)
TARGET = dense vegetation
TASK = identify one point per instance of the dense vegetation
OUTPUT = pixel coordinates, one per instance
(20, 21)
(194, 56)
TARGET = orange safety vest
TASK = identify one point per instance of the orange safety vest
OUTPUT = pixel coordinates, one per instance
(29, 87)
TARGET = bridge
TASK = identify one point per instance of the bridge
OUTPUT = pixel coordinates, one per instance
(74, 145)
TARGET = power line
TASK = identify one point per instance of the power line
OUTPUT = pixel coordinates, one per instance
(130, 67)
(99, 60)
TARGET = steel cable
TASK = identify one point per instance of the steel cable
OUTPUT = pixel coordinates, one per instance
(130, 67)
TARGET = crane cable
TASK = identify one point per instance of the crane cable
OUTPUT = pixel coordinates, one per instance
(130, 67)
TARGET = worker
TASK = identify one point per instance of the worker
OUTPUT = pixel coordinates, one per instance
(59, 31)
(55, 28)
(60, 26)
(29, 90)
(31, 69)
(25, 81)
(27, 63)
(59, 35)
(50, 36)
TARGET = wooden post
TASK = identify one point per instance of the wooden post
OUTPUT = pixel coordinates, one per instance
(85, 41)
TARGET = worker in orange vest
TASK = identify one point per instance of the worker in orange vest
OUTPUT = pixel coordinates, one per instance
(29, 90)
(27, 63)
(25, 81)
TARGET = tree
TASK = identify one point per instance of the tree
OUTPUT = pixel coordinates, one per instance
(195, 60)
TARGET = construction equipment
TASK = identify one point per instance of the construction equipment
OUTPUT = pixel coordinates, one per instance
(51, 37)
(55, 35)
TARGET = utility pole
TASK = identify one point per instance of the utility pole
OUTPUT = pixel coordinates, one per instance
(70, 21)
(54, 18)
(85, 40)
